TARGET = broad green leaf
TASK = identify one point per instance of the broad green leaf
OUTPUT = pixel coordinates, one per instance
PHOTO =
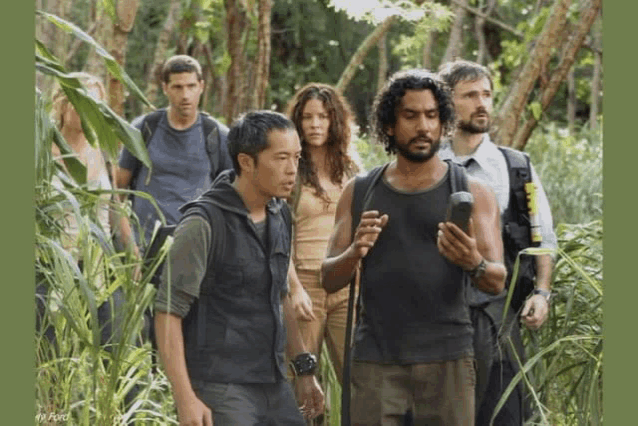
(98, 120)
(111, 64)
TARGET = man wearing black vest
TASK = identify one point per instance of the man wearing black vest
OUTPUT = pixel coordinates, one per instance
(177, 140)
(471, 85)
(223, 313)
(413, 339)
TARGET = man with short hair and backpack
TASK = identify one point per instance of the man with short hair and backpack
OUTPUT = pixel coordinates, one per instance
(413, 340)
(514, 180)
(187, 149)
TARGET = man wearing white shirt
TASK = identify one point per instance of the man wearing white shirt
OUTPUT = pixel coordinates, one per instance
(471, 146)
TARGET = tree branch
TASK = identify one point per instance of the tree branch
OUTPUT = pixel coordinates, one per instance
(362, 51)
(507, 120)
(587, 18)
(508, 28)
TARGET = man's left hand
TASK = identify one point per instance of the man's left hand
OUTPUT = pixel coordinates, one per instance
(457, 246)
(535, 311)
(309, 396)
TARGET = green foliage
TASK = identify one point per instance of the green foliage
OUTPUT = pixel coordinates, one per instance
(566, 354)
(570, 168)
(409, 47)
(372, 154)
(78, 375)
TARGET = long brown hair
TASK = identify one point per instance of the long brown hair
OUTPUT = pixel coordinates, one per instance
(339, 133)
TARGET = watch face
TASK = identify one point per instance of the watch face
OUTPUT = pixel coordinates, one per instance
(305, 364)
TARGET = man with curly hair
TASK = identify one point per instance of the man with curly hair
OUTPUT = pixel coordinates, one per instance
(413, 340)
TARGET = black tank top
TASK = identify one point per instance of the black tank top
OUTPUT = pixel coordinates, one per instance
(413, 300)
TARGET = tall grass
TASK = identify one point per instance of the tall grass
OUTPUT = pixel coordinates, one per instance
(77, 378)
(570, 167)
(566, 355)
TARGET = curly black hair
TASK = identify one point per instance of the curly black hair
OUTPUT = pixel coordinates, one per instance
(388, 99)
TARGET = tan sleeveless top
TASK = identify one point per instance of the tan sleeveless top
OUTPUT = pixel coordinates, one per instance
(314, 221)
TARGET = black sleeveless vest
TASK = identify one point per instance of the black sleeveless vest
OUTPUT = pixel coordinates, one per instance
(413, 306)
(235, 331)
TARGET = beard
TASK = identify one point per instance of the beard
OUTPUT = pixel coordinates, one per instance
(418, 156)
(474, 128)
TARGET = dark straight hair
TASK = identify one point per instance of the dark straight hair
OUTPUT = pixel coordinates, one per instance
(249, 133)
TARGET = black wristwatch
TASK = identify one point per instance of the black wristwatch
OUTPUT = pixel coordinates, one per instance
(546, 294)
(304, 364)
(478, 272)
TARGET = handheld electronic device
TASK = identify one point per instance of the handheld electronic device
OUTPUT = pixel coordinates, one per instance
(459, 209)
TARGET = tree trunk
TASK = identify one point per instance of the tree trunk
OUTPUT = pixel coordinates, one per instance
(455, 42)
(427, 50)
(479, 24)
(509, 112)
(263, 55)
(371, 40)
(596, 78)
(126, 11)
(154, 78)
(61, 38)
(236, 22)
(103, 32)
(383, 62)
(588, 15)
(571, 101)
(45, 32)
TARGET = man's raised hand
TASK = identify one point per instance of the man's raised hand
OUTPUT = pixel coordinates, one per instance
(366, 234)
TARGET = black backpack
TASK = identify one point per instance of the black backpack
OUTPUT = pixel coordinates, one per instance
(516, 226)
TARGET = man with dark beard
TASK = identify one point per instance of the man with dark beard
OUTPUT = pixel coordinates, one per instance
(413, 340)
(471, 86)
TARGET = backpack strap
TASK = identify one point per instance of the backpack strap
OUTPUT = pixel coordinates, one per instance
(216, 134)
(458, 177)
(516, 226)
(361, 199)
(520, 173)
(147, 128)
(362, 193)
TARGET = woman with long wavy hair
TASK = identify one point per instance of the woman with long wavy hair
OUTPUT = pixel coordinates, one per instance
(323, 119)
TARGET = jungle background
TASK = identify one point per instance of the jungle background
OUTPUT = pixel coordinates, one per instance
(546, 57)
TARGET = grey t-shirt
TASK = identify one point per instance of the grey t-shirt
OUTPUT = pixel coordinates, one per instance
(181, 172)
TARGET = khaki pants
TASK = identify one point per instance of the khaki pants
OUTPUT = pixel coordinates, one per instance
(331, 311)
(438, 393)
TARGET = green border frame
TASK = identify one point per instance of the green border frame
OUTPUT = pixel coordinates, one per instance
(619, 30)
(17, 317)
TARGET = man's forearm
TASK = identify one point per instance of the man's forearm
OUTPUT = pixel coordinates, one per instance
(544, 266)
(337, 271)
(493, 280)
(293, 334)
(170, 344)
(125, 233)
